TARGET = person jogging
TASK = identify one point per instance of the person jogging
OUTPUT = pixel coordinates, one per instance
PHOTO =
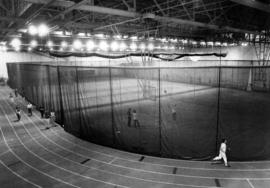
(222, 153)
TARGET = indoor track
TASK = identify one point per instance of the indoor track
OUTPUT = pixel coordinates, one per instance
(33, 156)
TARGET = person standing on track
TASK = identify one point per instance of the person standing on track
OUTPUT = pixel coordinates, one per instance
(18, 113)
(29, 109)
(11, 98)
(52, 119)
(222, 153)
(174, 112)
(129, 115)
(135, 119)
(42, 111)
(16, 92)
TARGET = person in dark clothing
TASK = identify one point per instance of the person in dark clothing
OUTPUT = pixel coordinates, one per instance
(16, 92)
(42, 111)
(129, 116)
(18, 113)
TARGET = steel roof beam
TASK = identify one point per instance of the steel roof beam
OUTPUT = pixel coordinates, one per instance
(123, 13)
(254, 4)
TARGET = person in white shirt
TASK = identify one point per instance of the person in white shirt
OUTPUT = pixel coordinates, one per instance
(135, 120)
(29, 108)
(52, 119)
(222, 153)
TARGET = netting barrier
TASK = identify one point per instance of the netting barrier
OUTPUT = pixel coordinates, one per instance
(177, 112)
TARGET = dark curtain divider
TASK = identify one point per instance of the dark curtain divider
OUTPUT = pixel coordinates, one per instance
(181, 112)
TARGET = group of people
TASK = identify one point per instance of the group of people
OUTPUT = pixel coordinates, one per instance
(29, 107)
(132, 115)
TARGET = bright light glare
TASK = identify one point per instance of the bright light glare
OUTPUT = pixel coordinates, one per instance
(77, 44)
(194, 58)
(165, 47)
(3, 48)
(244, 44)
(134, 38)
(117, 36)
(33, 43)
(172, 48)
(49, 44)
(17, 49)
(32, 30)
(15, 43)
(123, 46)
(103, 45)
(100, 35)
(90, 45)
(64, 44)
(114, 46)
(150, 47)
(29, 49)
(133, 46)
(142, 46)
(43, 30)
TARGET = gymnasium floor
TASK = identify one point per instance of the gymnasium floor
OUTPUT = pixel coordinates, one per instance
(33, 156)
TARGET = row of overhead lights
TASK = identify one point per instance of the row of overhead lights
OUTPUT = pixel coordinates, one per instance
(105, 42)
(92, 45)
(43, 30)
(102, 45)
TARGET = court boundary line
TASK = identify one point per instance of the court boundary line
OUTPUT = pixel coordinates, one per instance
(251, 185)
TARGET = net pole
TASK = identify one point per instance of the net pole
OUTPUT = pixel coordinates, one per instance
(218, 102)
(112, 111)
(49, 82)
(159, 113)
(79, 104)
(60, 97)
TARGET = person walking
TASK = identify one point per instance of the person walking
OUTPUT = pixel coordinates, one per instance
(11, 98)
(52, 119)
(135, 119)
(18, 113)
(29, 109)
(129, 117)
(222, 153)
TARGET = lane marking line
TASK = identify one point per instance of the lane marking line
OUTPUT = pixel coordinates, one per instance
(249, 182)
